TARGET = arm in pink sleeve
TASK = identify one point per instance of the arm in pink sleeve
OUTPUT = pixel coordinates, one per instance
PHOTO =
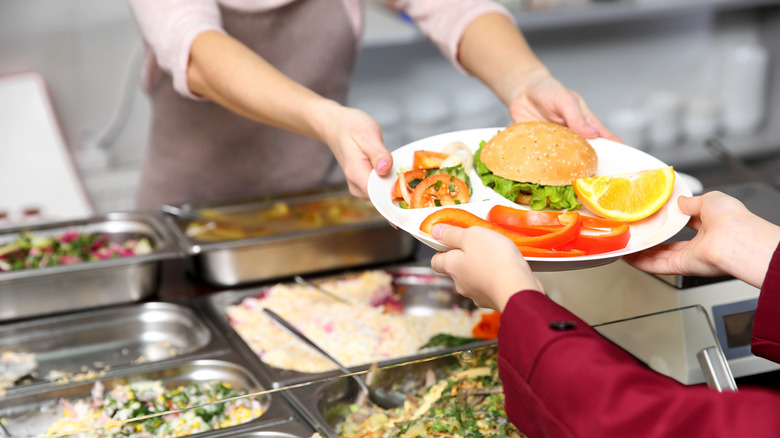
(444, 22)
(766, 325)
(169, 27)
(562, 379)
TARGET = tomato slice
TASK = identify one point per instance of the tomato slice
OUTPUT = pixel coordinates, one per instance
(440, 190)
(428, 159)
(616, 239)
(409, 177)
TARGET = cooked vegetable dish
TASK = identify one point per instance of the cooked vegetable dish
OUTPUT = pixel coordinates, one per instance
(150, 397)
(464, 402)
(278, 218)
(37, 251)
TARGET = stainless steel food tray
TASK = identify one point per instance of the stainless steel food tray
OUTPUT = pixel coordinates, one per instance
(55, 289)
(294, 428)
(92, 344)
(30, 414)
(238, 262)
(319, 401)
(424, 290)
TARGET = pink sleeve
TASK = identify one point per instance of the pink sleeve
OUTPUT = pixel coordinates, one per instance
(445, 21)
(562, 379)
(766, 325)
(168, 28)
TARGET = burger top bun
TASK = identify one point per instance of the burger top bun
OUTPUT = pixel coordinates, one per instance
(540, 152)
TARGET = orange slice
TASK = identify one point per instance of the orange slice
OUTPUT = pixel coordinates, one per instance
(628, 196)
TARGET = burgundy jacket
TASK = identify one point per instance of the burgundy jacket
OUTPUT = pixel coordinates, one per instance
(563, 379)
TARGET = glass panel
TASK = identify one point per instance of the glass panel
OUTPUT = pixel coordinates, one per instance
(669, 342)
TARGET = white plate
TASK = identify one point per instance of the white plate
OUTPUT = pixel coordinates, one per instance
(613, 158)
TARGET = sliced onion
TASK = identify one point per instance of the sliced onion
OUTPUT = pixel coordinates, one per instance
(405, 190)
(459, 149)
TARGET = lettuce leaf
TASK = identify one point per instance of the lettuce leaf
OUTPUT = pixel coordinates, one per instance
(561, 197)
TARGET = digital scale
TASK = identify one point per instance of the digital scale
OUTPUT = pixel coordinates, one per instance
(619, 292)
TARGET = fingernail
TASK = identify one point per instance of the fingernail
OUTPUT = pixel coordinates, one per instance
(382, 166)
(592, 129)
(436, 231)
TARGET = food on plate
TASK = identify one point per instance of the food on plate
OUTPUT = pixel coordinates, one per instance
(628, 196)
(436, 178)
(371, 329)
(278, 218)
(541, 234)
(534, 163)
(439, 190)
(152, 397)
(459, 400)
(31, 250)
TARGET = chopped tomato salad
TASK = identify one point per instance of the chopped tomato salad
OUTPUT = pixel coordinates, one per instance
(436, 179)
(440, 190)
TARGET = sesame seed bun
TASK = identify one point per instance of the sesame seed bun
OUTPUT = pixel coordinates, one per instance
(541, 153)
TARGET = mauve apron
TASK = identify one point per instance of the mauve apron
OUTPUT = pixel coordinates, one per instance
(199, 151)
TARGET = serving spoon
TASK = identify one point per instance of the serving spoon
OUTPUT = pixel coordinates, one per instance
(300, 280)
(382, 398)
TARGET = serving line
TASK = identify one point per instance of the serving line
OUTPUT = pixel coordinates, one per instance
(466, 355)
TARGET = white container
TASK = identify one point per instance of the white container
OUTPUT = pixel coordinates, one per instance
(702, 119)
(664, 109)
(744, 88)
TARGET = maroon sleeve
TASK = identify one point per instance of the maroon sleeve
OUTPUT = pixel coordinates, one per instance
(563, 379)
(766, 325)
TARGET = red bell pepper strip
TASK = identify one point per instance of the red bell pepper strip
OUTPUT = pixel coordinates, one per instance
(616, 239)
(550, 253)
(521, 219)
(464, 219)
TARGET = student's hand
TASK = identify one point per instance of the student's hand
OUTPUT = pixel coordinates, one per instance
(542, 97)
(486, 266)
(730, 240)
(356, 141)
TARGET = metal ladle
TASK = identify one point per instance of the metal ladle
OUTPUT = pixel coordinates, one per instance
(382, 398)
(298, 279)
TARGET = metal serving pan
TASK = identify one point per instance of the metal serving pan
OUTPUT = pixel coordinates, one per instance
(294, 428)
(49, 290)
(323, 402)
(30, 415)
(275, 243)
(92, 344)
(422, 290)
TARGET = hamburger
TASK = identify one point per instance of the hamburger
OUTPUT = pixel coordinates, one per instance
(534, 163)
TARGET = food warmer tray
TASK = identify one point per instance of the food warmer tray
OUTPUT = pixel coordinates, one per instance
(30, 414)
(256, 255)
(422, 293)
(322, 402)
(296, 427)
(93, 344)
(55, 289)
